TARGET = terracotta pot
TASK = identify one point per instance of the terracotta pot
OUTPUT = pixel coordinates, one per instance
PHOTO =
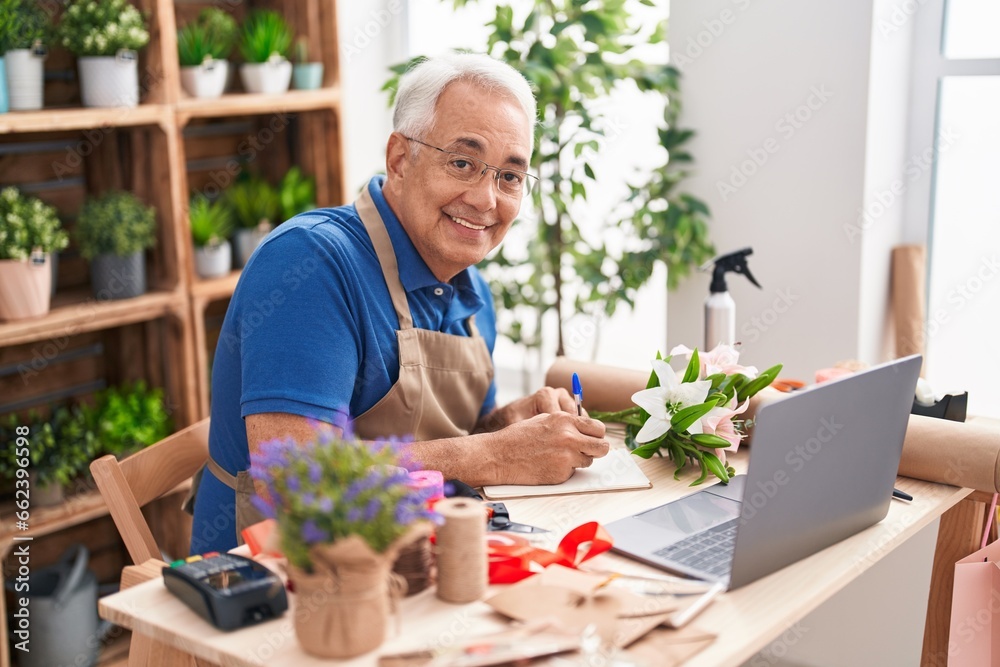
(25, 288)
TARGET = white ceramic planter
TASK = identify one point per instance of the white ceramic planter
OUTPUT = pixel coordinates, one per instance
(25, 288)
(270, 78)
(213, 261)
(25, 79)
(207, 80)
(109, 81)
(246, 241)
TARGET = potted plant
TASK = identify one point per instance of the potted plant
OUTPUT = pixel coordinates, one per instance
(129, 418)
(296, 193)
(307, 75)
(113, 231)
(203, 47)
(30, 231)
(105, 35)
(26, 55)
(344, 510)
(58, 450)
(211, 225)
(255, 205)
(265, 42)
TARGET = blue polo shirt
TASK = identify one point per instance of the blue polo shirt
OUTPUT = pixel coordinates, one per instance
(311, 329)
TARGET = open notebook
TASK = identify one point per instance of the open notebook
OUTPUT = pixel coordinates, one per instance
(618, 471)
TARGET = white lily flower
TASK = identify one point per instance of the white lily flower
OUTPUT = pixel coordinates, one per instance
(664, 401)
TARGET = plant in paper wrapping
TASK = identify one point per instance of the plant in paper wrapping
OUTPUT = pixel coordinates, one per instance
(344, 511)
(694, 418)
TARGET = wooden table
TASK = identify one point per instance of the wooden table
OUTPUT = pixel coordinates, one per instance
(746, 619)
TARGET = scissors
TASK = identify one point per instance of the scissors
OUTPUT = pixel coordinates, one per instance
(498, 518)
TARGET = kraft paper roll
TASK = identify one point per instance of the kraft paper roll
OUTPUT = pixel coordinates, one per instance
(909, 264)
(935, 450)
(949, 452)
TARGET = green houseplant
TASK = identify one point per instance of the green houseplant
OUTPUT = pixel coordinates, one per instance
(105, 35)
(58, 450)
(573, 53)
(296, 193)
(203, 47)
(306, 74)
(211, 225)
(30, 231)
(256, 207)
(264, 43)
(28, 28)
(130, 417)
(113, 231)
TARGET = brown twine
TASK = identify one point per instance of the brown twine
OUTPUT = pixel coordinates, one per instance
(461, 550)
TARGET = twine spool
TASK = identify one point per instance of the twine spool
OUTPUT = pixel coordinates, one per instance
(414, 565)
(461, 550)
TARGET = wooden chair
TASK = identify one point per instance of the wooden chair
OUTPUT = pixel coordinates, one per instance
(129, 485)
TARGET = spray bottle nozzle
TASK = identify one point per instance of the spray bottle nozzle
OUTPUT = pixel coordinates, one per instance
(735, 262)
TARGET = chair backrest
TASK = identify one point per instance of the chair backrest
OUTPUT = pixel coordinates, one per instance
(130, 484)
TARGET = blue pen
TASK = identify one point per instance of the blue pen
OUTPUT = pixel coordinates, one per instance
(578, 394)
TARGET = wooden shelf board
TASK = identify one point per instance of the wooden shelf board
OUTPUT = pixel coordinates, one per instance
(213, 289)
(82, 118)
(78, 312)
(245, 104)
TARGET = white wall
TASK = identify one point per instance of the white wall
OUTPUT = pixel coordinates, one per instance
(779, 94)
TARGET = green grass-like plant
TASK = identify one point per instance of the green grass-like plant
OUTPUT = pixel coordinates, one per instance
(265, 34)
(101, 27)
(211, 222)
(254, 202)
(116, 223)
(296, 193)
(211, 36)
(26, 223)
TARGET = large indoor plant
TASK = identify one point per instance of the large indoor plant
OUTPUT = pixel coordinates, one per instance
(264, 43)
(105, 35)
(573, 53)
(344, 510)
(26, 52)
(203, 47)
(113, 231)
(255, 205)
(211, 225)
(30, 231)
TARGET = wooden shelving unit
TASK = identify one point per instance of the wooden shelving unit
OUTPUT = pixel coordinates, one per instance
(163, 150)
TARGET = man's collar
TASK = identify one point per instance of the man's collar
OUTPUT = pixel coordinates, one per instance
(414, 273)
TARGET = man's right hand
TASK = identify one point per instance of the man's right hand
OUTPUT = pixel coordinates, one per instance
(546, 448)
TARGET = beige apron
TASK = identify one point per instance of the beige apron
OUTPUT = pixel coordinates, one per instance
(443, 378)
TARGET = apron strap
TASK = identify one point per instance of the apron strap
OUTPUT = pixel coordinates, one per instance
(386, 256)
(220, 474)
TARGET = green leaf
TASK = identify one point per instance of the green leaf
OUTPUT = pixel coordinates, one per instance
(693, 368)
(682, 419)
(715, 465)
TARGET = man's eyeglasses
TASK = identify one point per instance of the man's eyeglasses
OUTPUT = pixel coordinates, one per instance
(467, 169)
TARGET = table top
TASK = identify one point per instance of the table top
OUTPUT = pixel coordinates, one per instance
(746, 619)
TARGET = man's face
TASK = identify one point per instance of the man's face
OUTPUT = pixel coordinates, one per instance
(453, 224)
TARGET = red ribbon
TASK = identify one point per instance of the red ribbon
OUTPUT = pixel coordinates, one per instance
(512, 558)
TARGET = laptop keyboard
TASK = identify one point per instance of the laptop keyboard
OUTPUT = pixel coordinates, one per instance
(710, 551)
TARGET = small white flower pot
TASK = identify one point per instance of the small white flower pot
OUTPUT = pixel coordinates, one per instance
(270, 78)
(109, 81)
(246, 241)
(25, 79)
(213, 261)
(207, 80)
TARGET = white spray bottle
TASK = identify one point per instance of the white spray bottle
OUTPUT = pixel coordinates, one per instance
(720, 309)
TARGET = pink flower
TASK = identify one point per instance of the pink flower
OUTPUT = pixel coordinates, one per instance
(719, 421)
(722, 359)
